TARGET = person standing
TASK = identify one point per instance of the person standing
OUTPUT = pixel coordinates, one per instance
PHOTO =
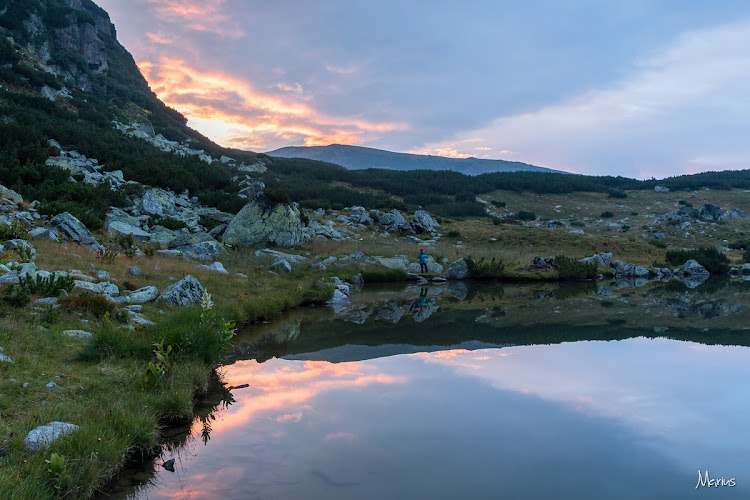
(422, 261)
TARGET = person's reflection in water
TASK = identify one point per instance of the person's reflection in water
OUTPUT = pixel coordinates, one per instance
(422, 299)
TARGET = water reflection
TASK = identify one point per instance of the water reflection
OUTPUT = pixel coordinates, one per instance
(630, 419)
(499, 391)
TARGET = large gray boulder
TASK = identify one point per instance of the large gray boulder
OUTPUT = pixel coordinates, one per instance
(157, 202)
(600, 259)
(116, 215)
(628, 270)
(16, 244)
(693, 268)
(709, 211)
(10, 194)
(105, 288)
(198, 246)
(459, 270)
(261, 222)
(359, 215)
(392, 221)
(186, 292)
(44, 435)
(117, 228)
(395, 262)
(422, 222)
(69, 228)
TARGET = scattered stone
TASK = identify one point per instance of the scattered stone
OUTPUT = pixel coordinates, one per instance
(44, 435)
(339, 298)
(216, 267)
(661, 189)
(5, 359)
(106, 288)
(117, 228)
(282, 265)
(135, 270)
(628, 270)
(186, 292)
(16, 244)
(141, 296)
(157, 201)
(276, 255)
(576, 231)
(78, 334)
(51, 385)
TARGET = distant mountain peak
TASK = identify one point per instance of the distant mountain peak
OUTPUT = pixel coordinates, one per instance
(360, 157)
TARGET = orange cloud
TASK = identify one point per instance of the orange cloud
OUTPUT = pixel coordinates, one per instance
(282, 391)
(233, 112)
(203, 15)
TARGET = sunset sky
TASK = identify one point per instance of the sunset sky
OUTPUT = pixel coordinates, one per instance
(638, 88)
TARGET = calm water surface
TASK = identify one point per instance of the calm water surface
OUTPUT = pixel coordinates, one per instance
(393, 397)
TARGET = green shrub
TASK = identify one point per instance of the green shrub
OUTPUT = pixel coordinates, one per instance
(47, 287)
(746, 255)
(607, 215)
(453, 233)
(95, 304)
(617, 193)
(658, 243)
(740, 245)
(713, 260)
(571, 269)
(500, 204)
(524, 215)
(168, 223)
(276, 196)
(17, 230)
(485, 270)
(685, 203)
(383, 275)
(625, 229)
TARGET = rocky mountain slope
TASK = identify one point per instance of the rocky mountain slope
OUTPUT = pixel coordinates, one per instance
(357, 157)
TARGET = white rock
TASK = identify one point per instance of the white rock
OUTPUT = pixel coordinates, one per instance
(42, 436)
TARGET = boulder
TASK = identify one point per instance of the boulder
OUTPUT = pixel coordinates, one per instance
(216, 267)
(339, 298)
(282, 265)
(77, 334)
(661, 189)
(395, 262)
(10, 194)
(276, 255)
(156, 201)
(733, 214)
(135, 270)
(709, 211)
(186, 292)
(628, 270)
(252, 188)
(693, 268)
(16, 244)
(432, 267)
(359, 215)
(141, 296)
(71, 229)
(106, 288)
(422, 222)
(215, 215)
(4, 358)
(459, 270)
(117, 228)
(600, 259)
(392, 221)
(42, 436)
(261, 222)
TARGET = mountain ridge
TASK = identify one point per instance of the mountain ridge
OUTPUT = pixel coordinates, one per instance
(361, 157)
